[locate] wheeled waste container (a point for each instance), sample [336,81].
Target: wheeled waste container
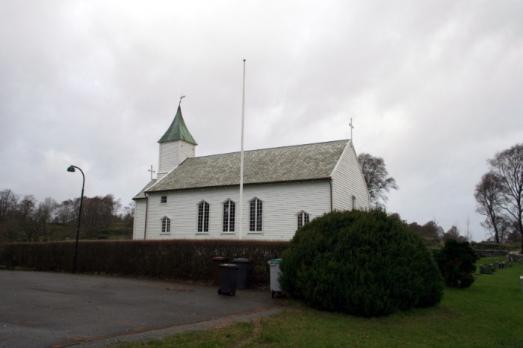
[244,270]
[217,261]
[275,274]
[228,279]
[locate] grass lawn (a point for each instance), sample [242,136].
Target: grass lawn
[488,314]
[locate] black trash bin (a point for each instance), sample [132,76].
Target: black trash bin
[217,261]
[244,270]
[228,279]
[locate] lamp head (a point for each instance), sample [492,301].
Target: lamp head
[71,169]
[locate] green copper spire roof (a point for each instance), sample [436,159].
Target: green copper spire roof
[178,130]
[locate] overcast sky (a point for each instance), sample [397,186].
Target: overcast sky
[433,87]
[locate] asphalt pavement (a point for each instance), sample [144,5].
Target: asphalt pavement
[40,309]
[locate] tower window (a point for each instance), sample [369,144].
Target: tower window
[163,199]
[203,216]
[166,225]
[229,211]
[255,214]
[303,218]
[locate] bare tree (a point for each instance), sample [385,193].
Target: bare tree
[508,166]
[128,214]
[65,212]
[26,207]
[376,177]
[511,233]
[8,203]
[431,232]
[43,216]
[28,220]
[453,234]
[488,194]
[505,228]
[98,214]
[24,218]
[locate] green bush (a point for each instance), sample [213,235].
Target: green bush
[457,263]
[363,263]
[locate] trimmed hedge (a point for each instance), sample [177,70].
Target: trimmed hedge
[362,263]
[173,259]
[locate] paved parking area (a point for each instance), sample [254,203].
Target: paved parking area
[39,309]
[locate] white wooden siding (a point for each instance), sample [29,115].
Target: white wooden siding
[348,181]
[281,204]
[139,219]
[172,154]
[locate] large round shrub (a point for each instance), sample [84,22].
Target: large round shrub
[457,263]
[363,263]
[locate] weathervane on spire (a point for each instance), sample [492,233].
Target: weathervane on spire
[181,97]
[351,128]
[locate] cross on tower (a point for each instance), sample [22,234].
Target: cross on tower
[351,128]
[152,171]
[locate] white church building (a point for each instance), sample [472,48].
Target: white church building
[197,197]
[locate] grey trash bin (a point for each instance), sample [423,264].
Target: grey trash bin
[275,274]
[228,279]
[244,270]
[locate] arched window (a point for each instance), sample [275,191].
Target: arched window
[353,202]
[203,216]
[166,225]
[255,214]
[229,211]
[303,218]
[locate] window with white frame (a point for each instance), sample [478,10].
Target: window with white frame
[166,225]
[163,199]
[229,211]
[255,214]
[303,218]
[203,216]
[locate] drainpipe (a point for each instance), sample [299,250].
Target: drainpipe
[146,211]
[330,184]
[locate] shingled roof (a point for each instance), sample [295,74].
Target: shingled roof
[279,164]
[177,130]
[141,194]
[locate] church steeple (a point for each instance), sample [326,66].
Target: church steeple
[178,130]
[176,145]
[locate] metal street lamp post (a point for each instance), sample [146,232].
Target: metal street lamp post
[72,170]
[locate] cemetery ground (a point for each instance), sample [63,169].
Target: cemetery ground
[488,314]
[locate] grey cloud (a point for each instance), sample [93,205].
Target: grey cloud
[433,87]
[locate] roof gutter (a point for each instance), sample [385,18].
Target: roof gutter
[246,184]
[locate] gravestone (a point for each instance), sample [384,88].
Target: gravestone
[485,269]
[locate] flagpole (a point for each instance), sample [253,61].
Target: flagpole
[240,229]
